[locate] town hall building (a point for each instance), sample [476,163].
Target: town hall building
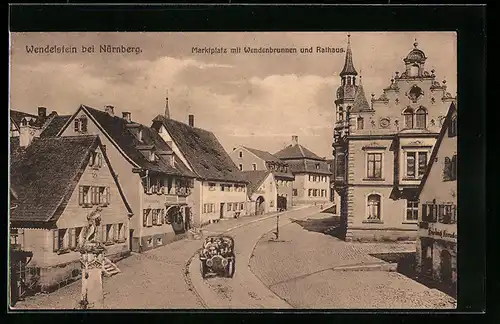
[382,148]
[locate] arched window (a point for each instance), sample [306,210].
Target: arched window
[373,207]
[421,118]
[408,113]
[348,80]
[360,123]
[414,70]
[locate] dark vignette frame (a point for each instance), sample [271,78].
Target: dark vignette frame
[468,21]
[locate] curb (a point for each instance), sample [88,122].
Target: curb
[389,267]
[186,272]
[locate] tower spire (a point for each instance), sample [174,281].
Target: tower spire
[348,65]
[167,110]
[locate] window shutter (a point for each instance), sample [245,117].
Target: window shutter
[154,216]
[424,212]
[100,159]
[80,195]
[144,218]
[446,169]
[72,237]
[92,195]
[108,195]
[55,240]
[77,125]
[116,233]
[453,171]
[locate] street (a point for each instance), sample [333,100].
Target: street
[302,269]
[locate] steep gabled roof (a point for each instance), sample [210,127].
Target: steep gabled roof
[360,103]
[55,125]
[266,156]
[47,173]
[435,150]
[119,131]
[309,166]
[296,151]
[255,179]
[202,150]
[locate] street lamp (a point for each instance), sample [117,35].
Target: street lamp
[277,233]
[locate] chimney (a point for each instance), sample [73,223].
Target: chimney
[42,112]
[26,133]
[127,116]
[295,140]
[191,120]
[110,110]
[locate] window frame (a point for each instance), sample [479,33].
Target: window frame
[368,208]
[415,209]
[368,153]
[418,173]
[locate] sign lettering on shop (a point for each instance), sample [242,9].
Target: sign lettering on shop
[442,233]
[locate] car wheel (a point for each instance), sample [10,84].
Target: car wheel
[231,269]
[203,269]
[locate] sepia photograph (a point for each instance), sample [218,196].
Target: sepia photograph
[233,170]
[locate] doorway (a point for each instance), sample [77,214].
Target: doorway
[446,271]
[259,206]
[427,256]
[221,210]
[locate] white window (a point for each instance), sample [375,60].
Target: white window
[416,164]
[411,211]
[374,165]
[373,207]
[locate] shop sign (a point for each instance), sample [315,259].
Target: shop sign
[441,232]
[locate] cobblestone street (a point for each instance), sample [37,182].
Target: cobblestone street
[304,269]
[151,280]
[300,270]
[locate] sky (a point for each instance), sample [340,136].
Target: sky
[256,100]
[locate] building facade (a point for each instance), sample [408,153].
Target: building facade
[382,150]
[437,234]
[154,179]
[59,182]
[250,159]
[262,192]
[311,173]
[219,190]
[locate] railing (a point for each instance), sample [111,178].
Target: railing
[183,191]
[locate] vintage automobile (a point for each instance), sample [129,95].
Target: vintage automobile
[217,256]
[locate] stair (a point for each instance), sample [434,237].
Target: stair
[110,269]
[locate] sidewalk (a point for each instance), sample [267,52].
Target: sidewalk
[300,268]
[150,280]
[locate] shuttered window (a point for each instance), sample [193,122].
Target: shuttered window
[55,240]
[72,238]
[116,232]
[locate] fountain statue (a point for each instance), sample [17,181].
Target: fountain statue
[92,261]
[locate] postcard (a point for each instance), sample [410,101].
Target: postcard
[233,170]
